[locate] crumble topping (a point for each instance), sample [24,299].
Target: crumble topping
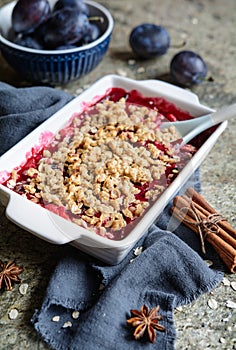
[107,167]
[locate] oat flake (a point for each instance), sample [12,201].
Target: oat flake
[209,262]
[86,86]
[179,308]
[56,318]
[75,314]
[222,340]
[194,21]
[138,251]
[233,285]
[13,314]
[23,288]
[230,304]
[131,62]
[141,70]
[212,303]
[226,282]
[122,72]
[79,91]
[101,287]
[67,324]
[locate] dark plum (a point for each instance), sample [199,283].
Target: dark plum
[65,27]
[75,4]
[188,68]
[92,33]
[28,15]
[149,40]
[28,40]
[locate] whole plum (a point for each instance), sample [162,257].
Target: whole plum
[28,15]
[75,4]
[149,40]
[188,68]
[64,27]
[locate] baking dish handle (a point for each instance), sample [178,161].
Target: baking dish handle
[41,222]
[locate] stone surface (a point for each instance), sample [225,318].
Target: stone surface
[207,27]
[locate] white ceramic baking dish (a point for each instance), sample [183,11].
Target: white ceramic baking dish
[57,230]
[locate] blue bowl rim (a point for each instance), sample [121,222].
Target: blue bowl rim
[93,44]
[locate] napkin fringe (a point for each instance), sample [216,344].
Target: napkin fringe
[205,288]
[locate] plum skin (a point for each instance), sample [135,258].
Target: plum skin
[65,26]
[149,40]
[188,68]
[28,15]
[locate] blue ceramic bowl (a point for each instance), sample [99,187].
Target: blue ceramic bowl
[55,67]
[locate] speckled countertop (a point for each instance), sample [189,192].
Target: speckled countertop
[207,27]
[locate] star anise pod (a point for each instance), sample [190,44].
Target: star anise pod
[146,321]
[9,273]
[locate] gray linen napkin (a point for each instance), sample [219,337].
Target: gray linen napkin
[169,272]
[23,109]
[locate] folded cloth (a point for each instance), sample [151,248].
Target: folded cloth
[167,273]
[87,302]
[23,109]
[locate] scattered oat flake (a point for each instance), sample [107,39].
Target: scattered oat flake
[121,72]
[222,340]
[179,308]
[75,314]
[230,304]
[138,251]
[233,285]
[67,324]
[141,70]
[194,21]
[56,318]
[131,62]
[101,286]
[209,262]
[212,303]
[184,35]
[13,314]
[226,282]
[23,288]
[79,91]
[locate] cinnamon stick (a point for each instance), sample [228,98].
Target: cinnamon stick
[200,200]
[188,221]
[196,213]
[184,201]
[225,251]
[211,237]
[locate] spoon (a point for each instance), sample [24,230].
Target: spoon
[188,129]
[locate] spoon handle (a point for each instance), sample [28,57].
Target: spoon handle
[223,114]
[215,118]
